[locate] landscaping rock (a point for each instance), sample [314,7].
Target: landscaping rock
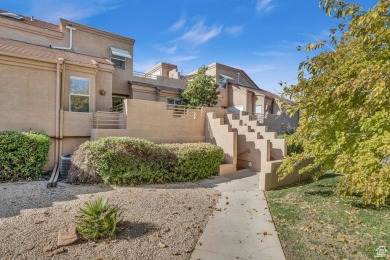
[67,236]
[49,248]
[57,251]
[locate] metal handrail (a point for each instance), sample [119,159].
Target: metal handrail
[183,111]
[108,120]
[117,108]
[144,75]
[257,116]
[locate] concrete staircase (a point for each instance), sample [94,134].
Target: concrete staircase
[256,148]
[221,134]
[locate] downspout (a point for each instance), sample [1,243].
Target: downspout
[62,104]
[57,115]
[55,173]
[71,29]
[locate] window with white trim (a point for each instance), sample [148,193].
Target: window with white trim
[79,94]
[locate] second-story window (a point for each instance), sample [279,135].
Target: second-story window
[118,57]
[119,62]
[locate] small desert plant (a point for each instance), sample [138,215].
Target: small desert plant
[99,220]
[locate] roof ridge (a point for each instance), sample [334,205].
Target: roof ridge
[19,47]
[33,22]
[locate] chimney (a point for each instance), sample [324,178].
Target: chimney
[238,78]
[32,18]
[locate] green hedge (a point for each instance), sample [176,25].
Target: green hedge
[22,155]
[123,160]
[196,160]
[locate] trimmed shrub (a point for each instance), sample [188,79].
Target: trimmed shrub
[196,160]
[122,160]
[22,155]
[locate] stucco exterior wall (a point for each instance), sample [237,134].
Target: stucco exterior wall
[15,30]
[103,82]
[152,121]
[237,97]
[86,40]
[77,124]
[27,91]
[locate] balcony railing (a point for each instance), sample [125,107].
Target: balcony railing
[257,116]
[144,75]
[183,111]
[109,120]
[117,108]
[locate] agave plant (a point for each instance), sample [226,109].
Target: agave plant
[99,220]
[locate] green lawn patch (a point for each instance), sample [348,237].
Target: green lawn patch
[314,223]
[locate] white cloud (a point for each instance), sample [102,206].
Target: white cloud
[165,49]
[178,25]
[265,6]
[51,11]
[172,49]
[234,30]
[179,59]
[201,33]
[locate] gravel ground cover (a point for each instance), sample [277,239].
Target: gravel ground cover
[160,221]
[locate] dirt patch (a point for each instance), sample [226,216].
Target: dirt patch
[170,215]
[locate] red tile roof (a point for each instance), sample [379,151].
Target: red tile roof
[30,50]
[34,22]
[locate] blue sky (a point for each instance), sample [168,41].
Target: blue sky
[258,36]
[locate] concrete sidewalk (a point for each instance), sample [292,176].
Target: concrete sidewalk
[241,227]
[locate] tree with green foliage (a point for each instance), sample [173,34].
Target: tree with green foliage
[201,91]
[343,95]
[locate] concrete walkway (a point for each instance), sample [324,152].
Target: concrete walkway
[243,227]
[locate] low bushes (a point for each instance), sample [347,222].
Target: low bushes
[196,160]
[22,155]
[122,160]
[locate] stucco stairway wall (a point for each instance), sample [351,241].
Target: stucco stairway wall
[152,121]
[221,134]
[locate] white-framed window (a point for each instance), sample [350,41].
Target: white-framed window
[78,94]
[174,101]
